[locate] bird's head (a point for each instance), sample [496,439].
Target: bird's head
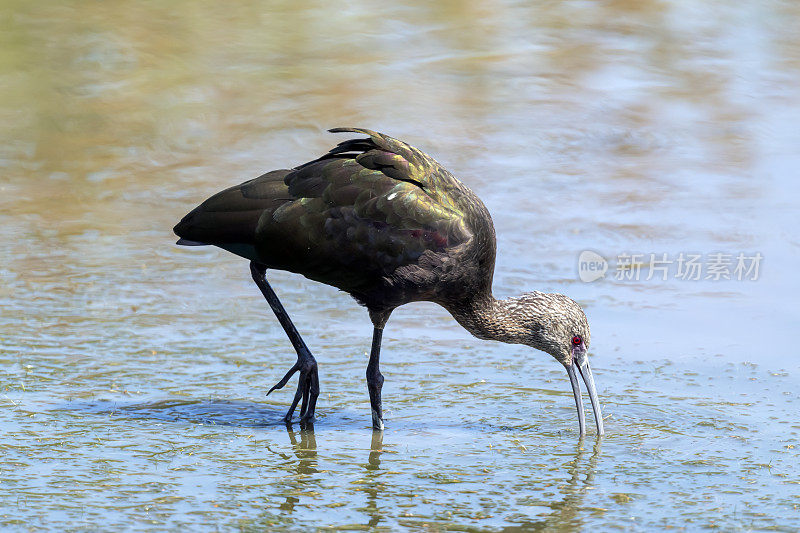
[557,325]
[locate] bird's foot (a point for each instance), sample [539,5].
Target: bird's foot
[307,388]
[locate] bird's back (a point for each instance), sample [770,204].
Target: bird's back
[374,217]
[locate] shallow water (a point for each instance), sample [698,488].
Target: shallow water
[134,371]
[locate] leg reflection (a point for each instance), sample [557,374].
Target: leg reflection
[374,487]
[376,449]
[305,450]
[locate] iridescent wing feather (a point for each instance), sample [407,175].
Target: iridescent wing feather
[366,208]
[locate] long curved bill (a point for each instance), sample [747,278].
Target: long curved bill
[581,365]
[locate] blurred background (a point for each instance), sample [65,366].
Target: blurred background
[134,370]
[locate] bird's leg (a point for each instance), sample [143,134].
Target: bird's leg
[375,379]
[308,386]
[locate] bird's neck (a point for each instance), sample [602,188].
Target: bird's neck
[486,317]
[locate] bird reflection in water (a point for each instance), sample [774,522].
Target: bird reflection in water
[374,486]
[565,514]
[305,450]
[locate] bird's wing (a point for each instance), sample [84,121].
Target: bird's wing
[368,206]
[364,209]
[395,159]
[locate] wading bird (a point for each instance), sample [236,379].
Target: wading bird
[387,224]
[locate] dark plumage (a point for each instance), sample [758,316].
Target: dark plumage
[389,225]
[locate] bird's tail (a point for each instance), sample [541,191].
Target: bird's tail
[229,218]
[187,242]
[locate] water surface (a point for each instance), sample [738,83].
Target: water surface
[134,371]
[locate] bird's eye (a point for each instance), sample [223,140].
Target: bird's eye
[576,340]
